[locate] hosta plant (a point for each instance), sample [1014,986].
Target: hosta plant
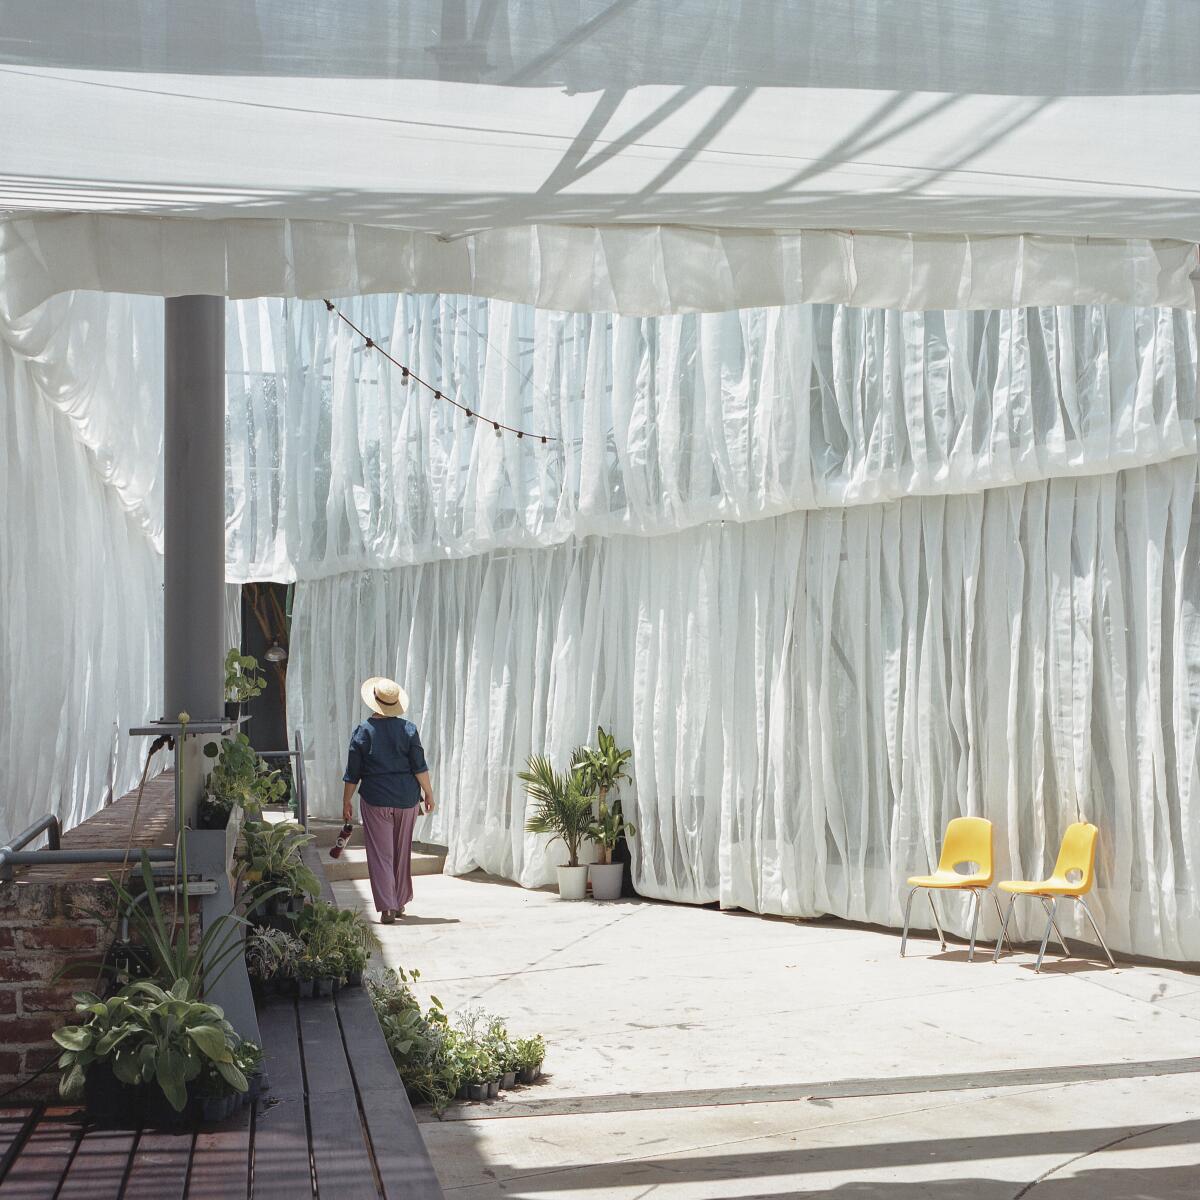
[148,1036]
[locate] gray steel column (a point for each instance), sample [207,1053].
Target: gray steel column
[194,516]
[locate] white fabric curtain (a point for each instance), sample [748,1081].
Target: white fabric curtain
[80,553]
[664,423]
[810,698]
[80,575]
[888,568]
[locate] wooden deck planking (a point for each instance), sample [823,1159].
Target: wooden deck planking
[97,1172]
[281,1168]
[160,1167]
[325,1065]
[341,1157]
[14,1124]
[405,1169]
[281,1049]
[43,1161]
[221,1161]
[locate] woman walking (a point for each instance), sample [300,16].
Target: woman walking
[386,764]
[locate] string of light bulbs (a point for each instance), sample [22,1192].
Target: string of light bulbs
[407,374]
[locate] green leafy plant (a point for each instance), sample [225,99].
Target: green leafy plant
[430,1056]
[608,829]
[601,768]
[270,855]
[240,778]
[244,678]
[148,1035]
[272,953]
[530,1052]
[562,805]
[166,950]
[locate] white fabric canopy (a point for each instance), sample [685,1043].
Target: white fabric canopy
[663,424]
[505,139]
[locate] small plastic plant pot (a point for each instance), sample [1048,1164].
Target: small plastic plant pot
[304,988]
[508,1081]
[477,1091]
[493,1089]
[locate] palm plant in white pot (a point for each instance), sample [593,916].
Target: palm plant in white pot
[600,769]
[562,809]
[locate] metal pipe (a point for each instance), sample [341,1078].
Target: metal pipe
[49,825]
[24,858]
[199,888]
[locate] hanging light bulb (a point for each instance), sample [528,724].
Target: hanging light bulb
[496,427]
[275,652]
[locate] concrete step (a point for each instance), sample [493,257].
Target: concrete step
[353,864]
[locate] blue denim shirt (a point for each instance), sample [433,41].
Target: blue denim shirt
[385,758]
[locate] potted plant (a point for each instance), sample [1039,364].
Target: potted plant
[270,856]
[244,680]
[601,769]
[154,1041]
[504,1050]
[329,972]
[240,778]
[531,1053]
[355,960]
[563,809]
[307,970]
[270,956]
[249,1060]
[607,876]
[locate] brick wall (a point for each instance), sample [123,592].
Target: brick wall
[44,927]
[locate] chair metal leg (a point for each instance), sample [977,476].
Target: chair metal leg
[1003,927]
[907,910]
[1062,941]
[936,922]
[996,902]
[1045,938]
[1111,961]
[978,904]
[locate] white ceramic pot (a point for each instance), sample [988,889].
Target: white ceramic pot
[572,882]
[606,880]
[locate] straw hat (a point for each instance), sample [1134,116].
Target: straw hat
[384,696]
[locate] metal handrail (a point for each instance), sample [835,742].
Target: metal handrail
[15,855]
[300,778]
[49,825]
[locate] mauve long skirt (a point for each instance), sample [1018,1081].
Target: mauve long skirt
[389,834]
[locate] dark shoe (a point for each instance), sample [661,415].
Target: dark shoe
[389,917]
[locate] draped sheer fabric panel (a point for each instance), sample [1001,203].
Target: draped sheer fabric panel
[80,553]
[666,423]
[645,269]
[80,576]
[810,697]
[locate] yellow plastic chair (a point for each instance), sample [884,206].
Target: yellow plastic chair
[968,842]
[1073,875]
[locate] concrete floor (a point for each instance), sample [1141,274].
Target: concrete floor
[698,1054]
